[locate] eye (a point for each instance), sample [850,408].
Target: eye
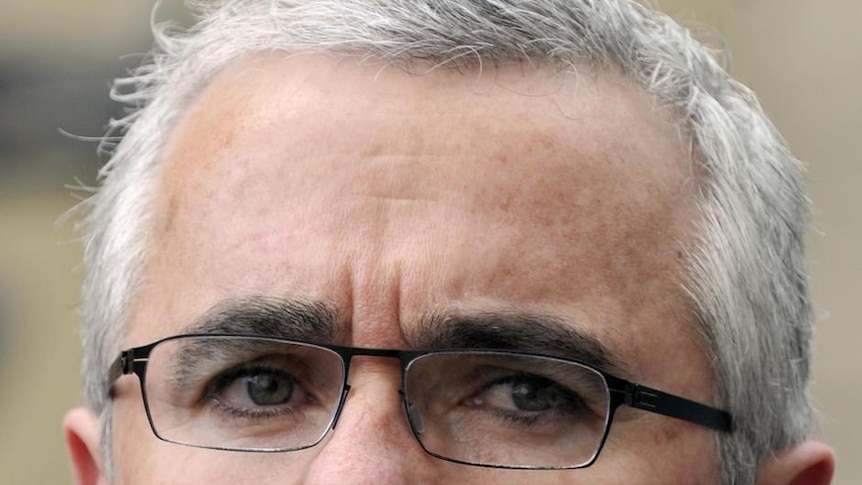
[262,387]
[535,393]
[257,389]
[526,396]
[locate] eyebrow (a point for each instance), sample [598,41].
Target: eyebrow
[269,317]
[513,330]
[256,316]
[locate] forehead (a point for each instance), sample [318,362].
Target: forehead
[390,194]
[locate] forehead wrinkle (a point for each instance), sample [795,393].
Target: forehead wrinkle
[418,138]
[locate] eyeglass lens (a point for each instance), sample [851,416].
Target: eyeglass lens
[487,408]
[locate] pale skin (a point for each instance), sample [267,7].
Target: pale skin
[389,196]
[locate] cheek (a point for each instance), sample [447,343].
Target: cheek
[175,464]
[134,444]
[141,458]
[680,454]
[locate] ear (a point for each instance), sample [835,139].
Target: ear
[808,463]
[82,432]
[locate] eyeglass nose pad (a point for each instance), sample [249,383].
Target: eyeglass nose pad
[415,418]
[340,405]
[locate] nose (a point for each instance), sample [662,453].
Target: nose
[372,441]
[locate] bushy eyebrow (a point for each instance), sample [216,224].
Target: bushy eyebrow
[514,330]
[269,317]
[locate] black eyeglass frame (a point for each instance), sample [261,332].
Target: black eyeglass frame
[622,391]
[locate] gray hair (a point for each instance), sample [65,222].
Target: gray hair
[746,281]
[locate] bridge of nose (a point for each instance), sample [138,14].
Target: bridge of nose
[372,437]
[374,381]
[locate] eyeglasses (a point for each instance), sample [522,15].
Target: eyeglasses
[493,408]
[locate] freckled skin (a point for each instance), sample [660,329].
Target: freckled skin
[388,196]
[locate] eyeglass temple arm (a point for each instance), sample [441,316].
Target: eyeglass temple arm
[655,401]
[126,363]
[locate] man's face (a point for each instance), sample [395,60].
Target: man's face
[392,198]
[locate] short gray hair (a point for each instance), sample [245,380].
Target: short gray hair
[747,280]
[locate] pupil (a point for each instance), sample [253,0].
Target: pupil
[536,395]
[269,390]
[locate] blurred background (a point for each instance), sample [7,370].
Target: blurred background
[57,59]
